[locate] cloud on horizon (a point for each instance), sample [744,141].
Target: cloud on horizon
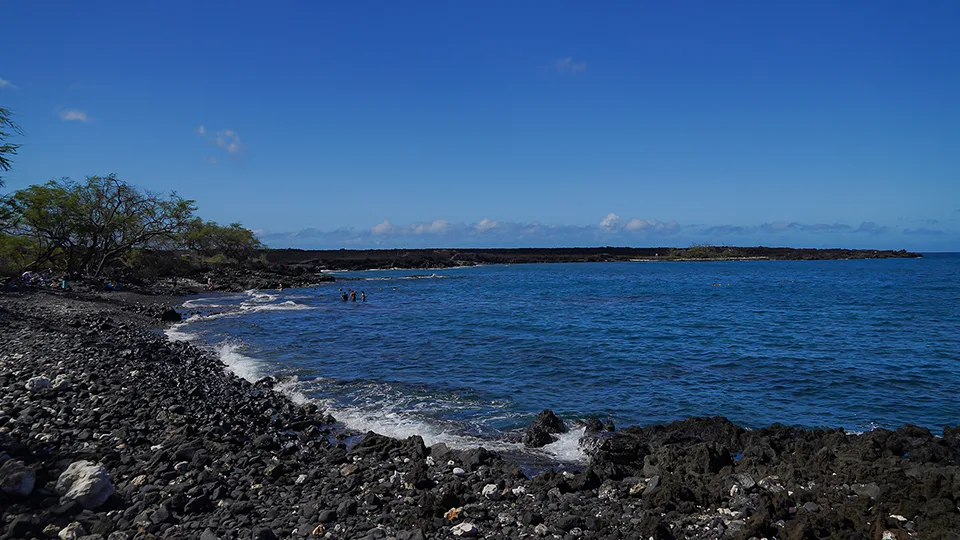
[74,115]
[611,230]
[867,227]
[7,84]
[923,231]
[613,224]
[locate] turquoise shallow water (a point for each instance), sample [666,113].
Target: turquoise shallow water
[476,352]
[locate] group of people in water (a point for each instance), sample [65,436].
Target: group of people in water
[351,295]
[348,295]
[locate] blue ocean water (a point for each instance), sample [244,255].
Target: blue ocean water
[471,354]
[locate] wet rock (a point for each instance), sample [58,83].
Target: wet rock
[16,479]
[85,483]
[594,426]
[171,315]
[541,431]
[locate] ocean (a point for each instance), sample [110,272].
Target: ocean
[468,356]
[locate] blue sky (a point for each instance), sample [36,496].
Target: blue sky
[456,124]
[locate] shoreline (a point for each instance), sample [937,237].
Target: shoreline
[193,451]
[306,268]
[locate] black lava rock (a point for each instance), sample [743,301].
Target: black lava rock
[540,432]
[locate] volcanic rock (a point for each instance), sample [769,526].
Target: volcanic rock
[16,479]
[540,432]
[38,383]
[86,483]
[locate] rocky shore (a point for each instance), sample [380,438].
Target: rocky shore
[307,268]
[110,431]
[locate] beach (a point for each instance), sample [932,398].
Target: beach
[175,446]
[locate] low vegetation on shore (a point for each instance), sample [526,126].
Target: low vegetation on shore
[104,225]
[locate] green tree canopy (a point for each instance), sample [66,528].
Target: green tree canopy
[208,238]
[87,225]
[8,128]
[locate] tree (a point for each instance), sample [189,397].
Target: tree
[209,238]
[8,128]
[86,226]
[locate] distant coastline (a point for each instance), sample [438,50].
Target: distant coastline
[421,259]
[166,271]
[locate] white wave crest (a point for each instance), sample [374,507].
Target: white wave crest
[282,306]
[401,426]
[174,334]
[291,388]
[259,296]
[237,363]
[567,448]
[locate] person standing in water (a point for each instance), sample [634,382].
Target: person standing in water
[363,296]
[353,295]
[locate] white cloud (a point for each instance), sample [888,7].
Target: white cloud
[569,65]
[636,224]
[610,231]
[229,140]
[641,225]
[438,226]
[226,139]
[7,84]
[611,222]
[211,159]
[73,114]
[485,225]
[381,228]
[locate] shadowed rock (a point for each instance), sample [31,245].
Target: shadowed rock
[540,432]
[16,479]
